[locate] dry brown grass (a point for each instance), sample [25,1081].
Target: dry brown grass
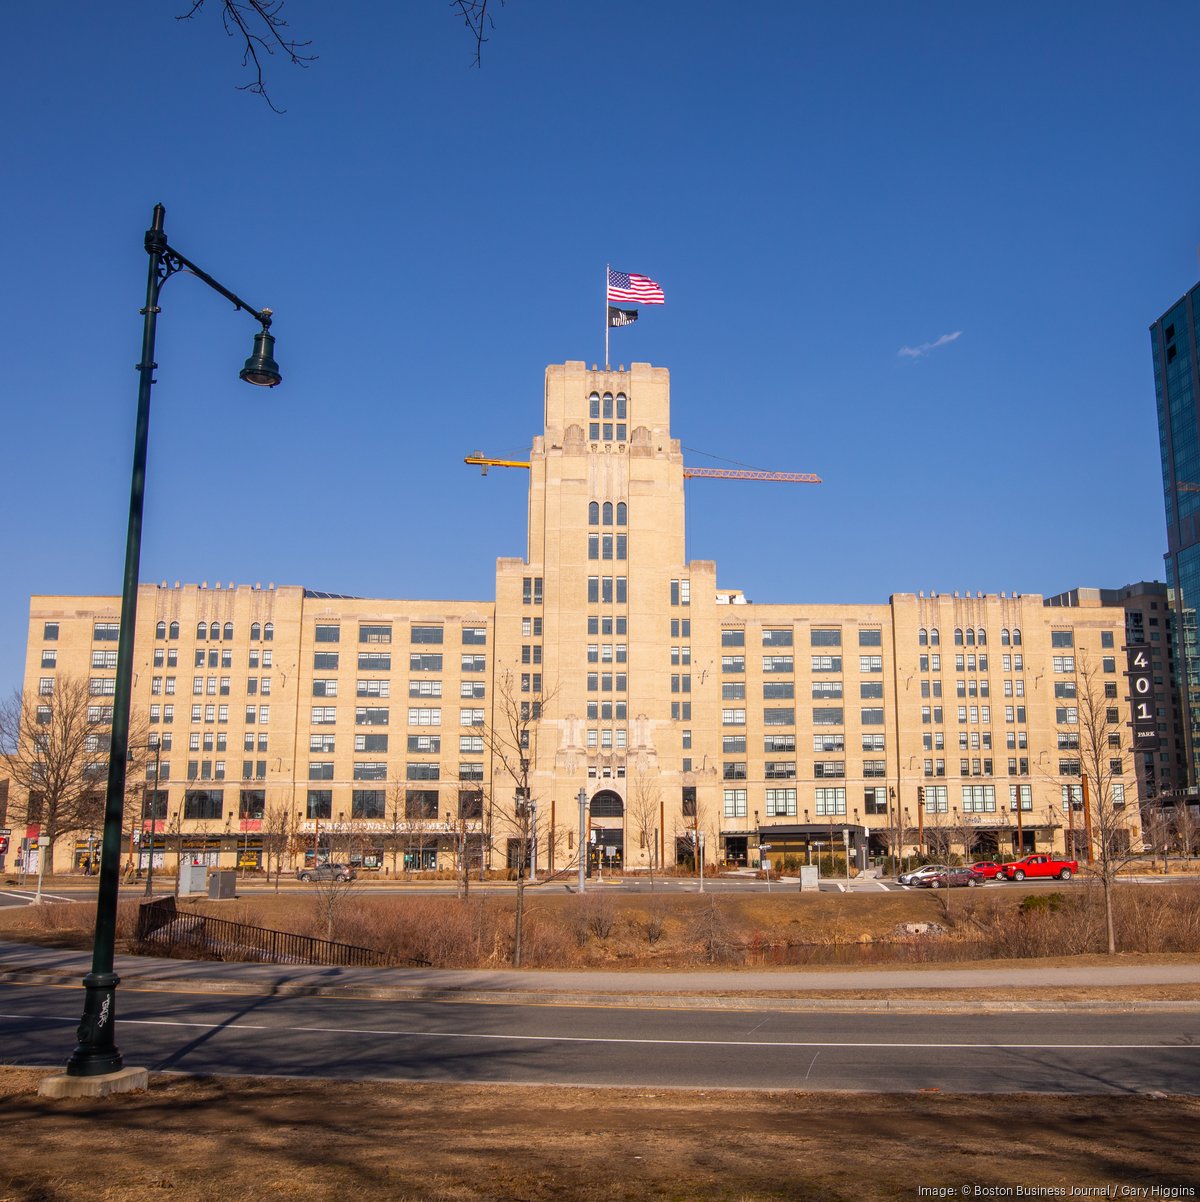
[637,931]
[220,1140]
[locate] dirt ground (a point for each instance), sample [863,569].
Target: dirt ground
[217,1140]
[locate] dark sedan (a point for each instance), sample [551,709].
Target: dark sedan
[950,877]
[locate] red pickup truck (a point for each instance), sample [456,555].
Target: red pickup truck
[1039,865]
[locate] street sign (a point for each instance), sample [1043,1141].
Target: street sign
[764,847]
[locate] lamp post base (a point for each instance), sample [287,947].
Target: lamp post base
[96,1054]
[63,1085]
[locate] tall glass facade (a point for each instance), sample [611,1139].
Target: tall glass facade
[1175,340]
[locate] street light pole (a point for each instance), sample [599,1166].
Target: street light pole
[582,798]
[96,1052]
[533,851]
[153,808]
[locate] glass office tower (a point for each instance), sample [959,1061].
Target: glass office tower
[1175,340]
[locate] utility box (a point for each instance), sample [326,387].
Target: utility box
[810,876]
[192,879]
[222,885]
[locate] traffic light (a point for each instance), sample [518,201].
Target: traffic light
[920,795]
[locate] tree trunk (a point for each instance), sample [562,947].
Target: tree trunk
[1108,917]
[519,931]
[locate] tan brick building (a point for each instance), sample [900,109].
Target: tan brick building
[366,725]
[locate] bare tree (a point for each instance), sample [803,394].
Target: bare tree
[478,20]
[1186,821]
[331,897]
[511,742]
[1102,762]
[1158,832]
[57,745]
[643,811]
[464,819]
[276,838]
[259,28]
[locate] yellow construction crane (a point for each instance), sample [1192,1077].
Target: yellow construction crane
[483,462]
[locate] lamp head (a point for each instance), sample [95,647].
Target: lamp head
[261,367]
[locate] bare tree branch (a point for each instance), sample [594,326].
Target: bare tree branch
[58,744]
[478,20]
[262,29]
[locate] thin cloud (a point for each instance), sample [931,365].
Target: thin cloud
[916,352]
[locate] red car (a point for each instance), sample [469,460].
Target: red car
[988,869]
[1039,865]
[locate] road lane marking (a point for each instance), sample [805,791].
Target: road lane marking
[599,1039]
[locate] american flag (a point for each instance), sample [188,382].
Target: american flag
[634,289]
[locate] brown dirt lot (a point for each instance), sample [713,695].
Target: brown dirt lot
[216,1140]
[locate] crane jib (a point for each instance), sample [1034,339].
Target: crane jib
[483,462]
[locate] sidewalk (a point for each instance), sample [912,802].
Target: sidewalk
[786,989]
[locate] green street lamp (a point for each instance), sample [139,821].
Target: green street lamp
[96,1052]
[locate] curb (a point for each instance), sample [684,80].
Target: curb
[664,1001]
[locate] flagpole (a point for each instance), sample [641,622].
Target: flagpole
[606,271]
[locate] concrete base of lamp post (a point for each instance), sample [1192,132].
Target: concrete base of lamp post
[127,1080]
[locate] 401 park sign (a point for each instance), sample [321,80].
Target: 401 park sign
[1141,694]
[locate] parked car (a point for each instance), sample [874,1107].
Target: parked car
[913,877]
[949,878]
[1039,865]
[328,872]
[988,869]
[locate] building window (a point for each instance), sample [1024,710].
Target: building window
[830,801]
[204,804]
[826,638]
[327,633]
[828,716]
[735,803]
[426,634]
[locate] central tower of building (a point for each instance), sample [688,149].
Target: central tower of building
[598,619]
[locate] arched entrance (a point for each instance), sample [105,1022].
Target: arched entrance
[607,847]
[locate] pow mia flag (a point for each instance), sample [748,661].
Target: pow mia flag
[621,317]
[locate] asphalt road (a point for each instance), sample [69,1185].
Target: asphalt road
[1097,1052]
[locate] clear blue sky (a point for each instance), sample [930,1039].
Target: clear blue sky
[816,188]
